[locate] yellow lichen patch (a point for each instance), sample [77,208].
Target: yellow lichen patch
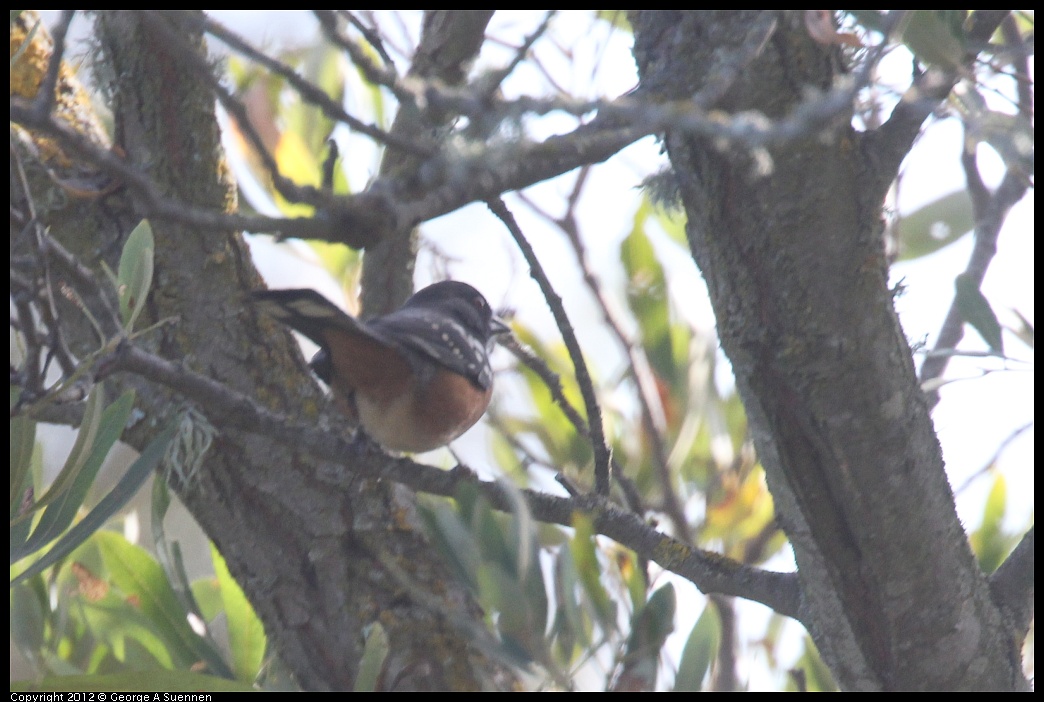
[33,46]
[28,71]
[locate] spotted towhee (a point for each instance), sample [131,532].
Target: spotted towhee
[415,379]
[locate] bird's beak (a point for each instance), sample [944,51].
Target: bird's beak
[498,327]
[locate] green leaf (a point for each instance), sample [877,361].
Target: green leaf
[589,570]
[138,575]
[23,446]
[490,532]
[818,677]
[23,439]
[989,542]
[134,277]
[109,505]
[206,592]
[168,553]
[28,617]
[454,542]
[570,627]
[634,578]
[650,627]
[324,66]
[60,514]
[518,540]
[246,635]
[976,311]
[936,37]
[647,296]
[372,662]
[996,504]
[502,593]
[122,632]
[653,623]
[673,222]
[935,225]
[78,456]
[700,650]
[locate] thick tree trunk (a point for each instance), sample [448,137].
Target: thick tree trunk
[320,562]
[789,240]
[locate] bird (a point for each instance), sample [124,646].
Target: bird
[414,379]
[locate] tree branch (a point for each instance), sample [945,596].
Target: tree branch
[710,572]
[887,146]
[991,211]
[602,465]
[638,366]
[450,41]
[1012,585]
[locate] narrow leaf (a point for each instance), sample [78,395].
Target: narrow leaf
[976,311]
[589,571]
[139,576]
[134,277]
[699,651]
[81,451]
[374,652]
[112,503]
[60,514]
[246,635]
[935,225]
[23,438]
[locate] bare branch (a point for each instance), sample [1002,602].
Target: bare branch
[353,223]
[708,571]
[991,210]
[46,96]
[309,92]
[370,35]
[374,73]
[1012,584]
[888,145]
[603,467]
[638,366]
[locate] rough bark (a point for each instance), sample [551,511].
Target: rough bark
[318,563]
[794,262]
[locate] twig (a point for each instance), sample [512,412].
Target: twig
[371,36]
[993,459]
[375,74]
[638,364]
[48,310]
[990,209]
[45,95]
[603,468]
[192,59]
[888,145]
[710,572]
[491,81]
[312,93]
[349,224]
[550,379]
